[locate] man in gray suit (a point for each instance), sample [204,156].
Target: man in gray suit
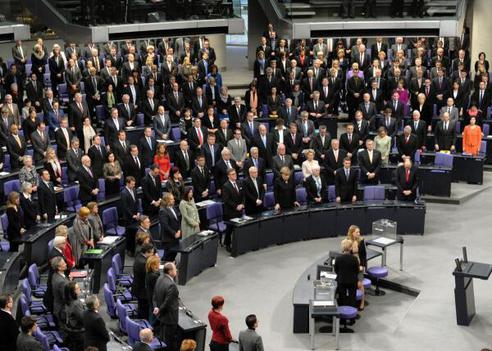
[281,160]
[451,109]
[58,282]
[162,124]
[40,142]
[398,45]
[237,146]
[25,340]
[166,306]
[74,159]
[249,340]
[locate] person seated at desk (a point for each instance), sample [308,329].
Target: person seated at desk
[254,192]
[346,182]
[62,231]
[74,310]
[190,220]
[29,206]
[472,137]
[359,251]
[82,237]
[284,190]
[445,134]
[138,286]
[407,143]
[16,229]
[369,163]
[406,181]
[8,324]
[315,187]
[25,340]
[170,226]
[347,270]
[382,143]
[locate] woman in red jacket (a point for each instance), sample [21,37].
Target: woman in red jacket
[221,335]
[62,230]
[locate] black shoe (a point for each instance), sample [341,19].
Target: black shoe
[228,248]
[346,330]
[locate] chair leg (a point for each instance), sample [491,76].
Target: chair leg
[344,328]
[379,292]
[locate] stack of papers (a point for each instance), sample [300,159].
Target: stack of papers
[205,203]
[205,232]
[108,240]
[383,241]
[78,274]
[4,174]
[165,141]
[323,303]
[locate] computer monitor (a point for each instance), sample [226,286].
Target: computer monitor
[325,272]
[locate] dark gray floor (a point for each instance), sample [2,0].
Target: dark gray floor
[262,282]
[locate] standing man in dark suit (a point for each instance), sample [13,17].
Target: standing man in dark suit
[57,68]
[183,159]
[419,128]
[396,107]
[58,282]
[377,47]
[250,129]
[355,89]
[200,179]
[222,167]
[8,325]
[389,123]
[406,181]
[151,191]
[16,147]
[315,187]
[77,111]
[34,91]
[321,143]
[407,143]
[176,104]
[74,159]
[147,146]
[349,141]
[293,143]
[97,154]
[138,286]
[361,127]
[63,136]
[29,206]
[223,134]
[346,183]
[281,160]
[254,190]
[249,340]
[112,126]
[445,134]
[87,181]
[237,112]
[40,142]
[121,148]
[263,141]
[96,334]
[162,124]
[333,160]
[369,163]
[134,166]
[166,306]
[46,197]
[233,199]
[211,151]
[127,111]
[149,108]
[255,161]
[197,135]
[170,226]
[128,210]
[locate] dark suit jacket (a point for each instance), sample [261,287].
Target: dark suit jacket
[350,147]
[131,168]
[46,200]
[148,111]
[128,207]
[205,150]
[261,165]
[140,346]
[166,298]
[312,190]
[175,105]
[277,164]
[87,184]
[347,269]
[264,150]
[220,172]
[391,127]
[10,330]
[111,131]
[251,195]
[146,153]
[193,139]
[27,342]
[293,145]
[95,331]
[363,132]
[398,113]
[180,162]
[123,112]
[138,286]
[407,148]
[331,165]
[234,117]
[39,145]
[367,166]
[445,138]
[15,152]
[151,191]
[74,162]
[231,199]
[420,132]
[98,158]
[61,143]
[345,188]
[200,182]
[223,138]
[169,225]
[402,184]
[30,211]
[120,152]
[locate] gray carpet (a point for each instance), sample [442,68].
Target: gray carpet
[262,282]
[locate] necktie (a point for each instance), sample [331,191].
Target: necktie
[318,185]
[18,141]
[187,159]
[251,127]
[481,97]
[416,124]
[407,175]
[370,156]
[255,162]
[200,136]
[282,158]
[325,90]
[350,138]
[150,142]
[449,109]
[445,126]
[235,187]
[316,105]
[90,172]
[347,173]
[228,163]
[41,134]
[137,161]
[94,83]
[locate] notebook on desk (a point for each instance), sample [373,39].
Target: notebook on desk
[94,251]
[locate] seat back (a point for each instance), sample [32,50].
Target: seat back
[110,217]
[26,289]
[269,180]
[11,185]
[108,297]
[214,212]
[121,313]
[43,339]
[374,192]
[33,275]
[486,129]
[331,193]
[116,264]
[298,177]
[176,134]
[269,199]
[24,305]
[111,280]
[5,224]
[301,195]
[443,160]
[133,330]
[368,193]
[483,147]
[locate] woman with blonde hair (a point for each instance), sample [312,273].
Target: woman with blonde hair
[347,268]
[82,237]
[309,163]
[151,276]
[358,249]
[188,345]
[52,164]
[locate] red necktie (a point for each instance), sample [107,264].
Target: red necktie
[200,136]
[407,176]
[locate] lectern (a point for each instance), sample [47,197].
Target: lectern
[463,291]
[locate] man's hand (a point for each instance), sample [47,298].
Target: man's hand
[156,311]
[277,207]
[338,199]
[436,147]
[258,202]
[240,207]
[354,198]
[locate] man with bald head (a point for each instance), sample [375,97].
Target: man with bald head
[445,134]
[281,160]
[146,335]
[87,181]
[407,143]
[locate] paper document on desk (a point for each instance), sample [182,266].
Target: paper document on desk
[204,203]
[323,303]
[4,174]
[205,232]
[383,241]
[108,240]
[165,141]
[241,219]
